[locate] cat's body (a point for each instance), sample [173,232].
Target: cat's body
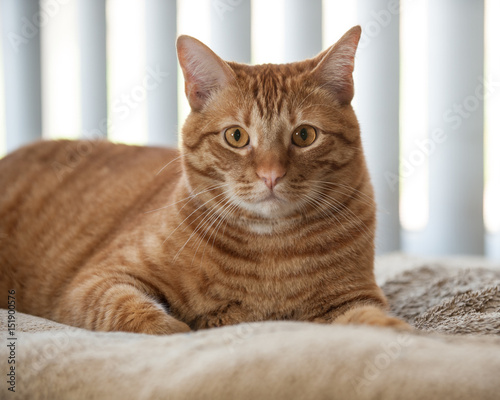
[246,225]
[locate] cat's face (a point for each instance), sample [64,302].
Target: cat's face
[270,139]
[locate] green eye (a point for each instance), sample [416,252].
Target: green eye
[304,136]
[236,137]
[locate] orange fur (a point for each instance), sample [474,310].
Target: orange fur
[114,237]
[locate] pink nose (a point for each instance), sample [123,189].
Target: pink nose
[270,176]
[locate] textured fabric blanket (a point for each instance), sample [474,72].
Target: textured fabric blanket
[454,351]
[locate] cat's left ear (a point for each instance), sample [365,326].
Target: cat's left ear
[336,64]
[204,71]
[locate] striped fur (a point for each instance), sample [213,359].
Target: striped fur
[114,237]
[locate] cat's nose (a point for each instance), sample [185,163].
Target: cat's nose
[270,176]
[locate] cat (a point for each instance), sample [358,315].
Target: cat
[265,213]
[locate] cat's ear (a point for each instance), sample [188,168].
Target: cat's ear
[336,64]
[204,71]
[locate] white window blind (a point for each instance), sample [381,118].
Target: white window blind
[427,82]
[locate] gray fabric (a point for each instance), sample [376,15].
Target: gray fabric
[435,298]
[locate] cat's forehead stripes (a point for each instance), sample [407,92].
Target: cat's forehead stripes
[273,88]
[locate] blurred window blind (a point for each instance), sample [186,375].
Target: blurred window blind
[427,99]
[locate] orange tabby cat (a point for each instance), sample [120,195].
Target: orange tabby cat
[266,213]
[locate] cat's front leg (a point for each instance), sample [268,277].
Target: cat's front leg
[108,304]
[356,312]
[371,315]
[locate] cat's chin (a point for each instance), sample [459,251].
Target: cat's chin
[270,207]
[269,216]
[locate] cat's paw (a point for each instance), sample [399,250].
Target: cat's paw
[371,315]
[166,326]
[153,320]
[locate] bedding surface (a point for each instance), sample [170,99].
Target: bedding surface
[454,352]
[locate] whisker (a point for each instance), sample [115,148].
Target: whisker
[200,225]
[208,224]
[345,210]
[224,217]
[236,206]
[211,207]
[366,199]
[204,191]
[190,197]
[206,214]
[170,162]
[184,220]
[317,205]
[334,214]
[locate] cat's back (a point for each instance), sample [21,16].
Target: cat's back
[61,201]
[64,156]
[78,172]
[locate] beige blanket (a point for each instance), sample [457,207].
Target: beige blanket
[284,360]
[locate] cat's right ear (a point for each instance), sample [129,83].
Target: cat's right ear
[336,65]
[204,71]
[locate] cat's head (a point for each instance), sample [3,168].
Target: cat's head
[272,139]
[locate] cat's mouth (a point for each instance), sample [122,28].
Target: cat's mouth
[269,205]
[270,197]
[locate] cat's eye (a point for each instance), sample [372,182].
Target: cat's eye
[236,137]
[304,136]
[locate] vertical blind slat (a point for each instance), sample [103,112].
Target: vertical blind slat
[92,39]
[492,131]
[492,246]
[377,107]
[230,29]
[456,93]
[303,29]
[21,48]
[161,32]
